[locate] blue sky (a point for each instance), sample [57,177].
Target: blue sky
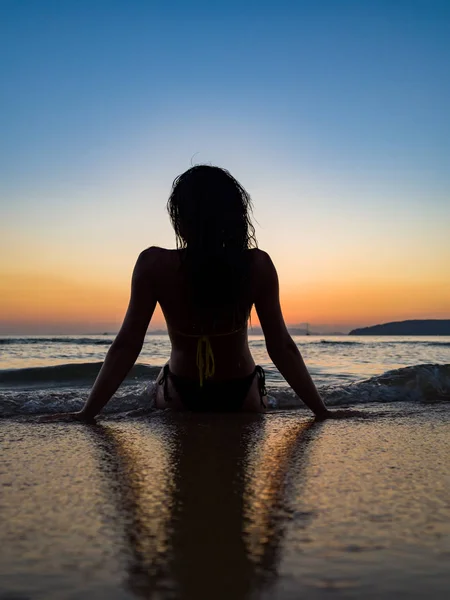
[358,85]
[333,114]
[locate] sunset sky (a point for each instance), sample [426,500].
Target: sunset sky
[333,114]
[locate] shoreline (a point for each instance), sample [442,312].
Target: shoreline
[174,504]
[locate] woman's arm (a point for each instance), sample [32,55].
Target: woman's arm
[280,346]
[127,346]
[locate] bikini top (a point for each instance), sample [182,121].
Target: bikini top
[205,356]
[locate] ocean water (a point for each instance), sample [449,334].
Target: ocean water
[53,373]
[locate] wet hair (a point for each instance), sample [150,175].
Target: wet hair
[210,212]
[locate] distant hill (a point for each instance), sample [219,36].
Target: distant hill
[414,327]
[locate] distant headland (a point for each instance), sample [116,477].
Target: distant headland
[413,327]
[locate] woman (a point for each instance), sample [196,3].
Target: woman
[206,289]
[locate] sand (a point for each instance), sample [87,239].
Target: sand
[232,506]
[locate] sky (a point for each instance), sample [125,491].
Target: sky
[333,115]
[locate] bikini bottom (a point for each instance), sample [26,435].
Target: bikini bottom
[213,396]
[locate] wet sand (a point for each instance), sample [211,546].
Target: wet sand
[232,506]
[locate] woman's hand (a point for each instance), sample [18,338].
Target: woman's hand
[67,417]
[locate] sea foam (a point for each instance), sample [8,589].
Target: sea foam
[65,387]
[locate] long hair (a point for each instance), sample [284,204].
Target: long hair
[210,212]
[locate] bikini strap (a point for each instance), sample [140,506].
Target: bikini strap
[205,356]
[261,383]
[163,381]
[205,359]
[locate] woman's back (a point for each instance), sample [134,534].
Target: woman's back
[226,334]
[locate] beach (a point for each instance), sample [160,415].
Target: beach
[228,506]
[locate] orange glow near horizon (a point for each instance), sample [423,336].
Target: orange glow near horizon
[49,301]
[30,302]
[366,302]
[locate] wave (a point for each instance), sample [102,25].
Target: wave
[378,341]
[67,374]
[416,343]
[425,384]
[39,402]
[87,341]
[107,341]
[338,343]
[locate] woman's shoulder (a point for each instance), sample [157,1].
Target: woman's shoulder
[156,257]
[260,258]
[157,253]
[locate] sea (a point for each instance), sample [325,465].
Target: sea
[46,374]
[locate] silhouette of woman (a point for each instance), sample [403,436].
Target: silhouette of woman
[206,289]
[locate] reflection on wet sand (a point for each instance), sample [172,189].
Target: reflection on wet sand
[276,464]
[138,471]
[203,500]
